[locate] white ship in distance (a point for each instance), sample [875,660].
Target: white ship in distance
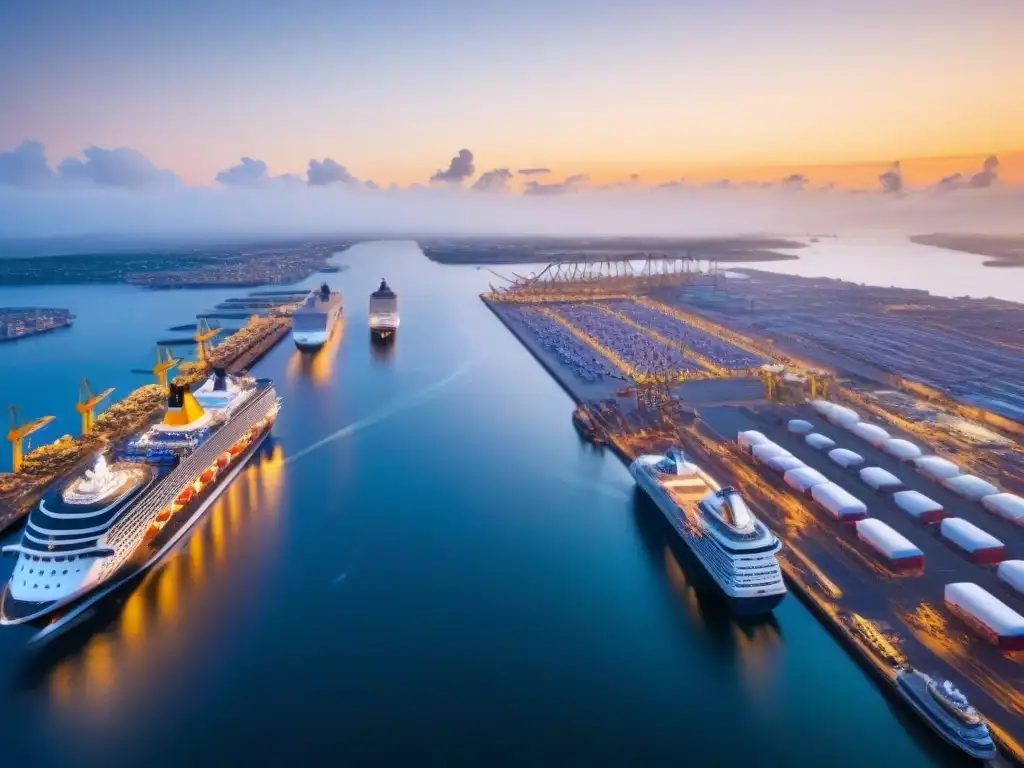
[313,322]
[384,318]
[735,548]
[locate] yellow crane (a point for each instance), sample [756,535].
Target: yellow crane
[87,403]
[19,431]
[204,334]
[165,361]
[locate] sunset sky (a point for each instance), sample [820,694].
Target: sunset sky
[392,89]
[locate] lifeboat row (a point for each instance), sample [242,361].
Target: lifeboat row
[208,475]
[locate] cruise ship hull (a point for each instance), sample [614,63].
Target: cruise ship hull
[53,618]
[311,341]
[742,601]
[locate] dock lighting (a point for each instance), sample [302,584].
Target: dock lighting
[87,402]
[19,431]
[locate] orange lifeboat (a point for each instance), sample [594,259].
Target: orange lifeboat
[164,516]
[237,448]
[185,496]
[224,459]
[207,475]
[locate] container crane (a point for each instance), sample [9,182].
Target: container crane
[204,334]
[87,403]
[164,363]
[21,429]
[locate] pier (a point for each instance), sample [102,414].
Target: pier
[650,370]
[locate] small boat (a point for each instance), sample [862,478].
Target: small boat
[948,712]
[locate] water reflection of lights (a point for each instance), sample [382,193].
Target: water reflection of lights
[318,367]
[172,608]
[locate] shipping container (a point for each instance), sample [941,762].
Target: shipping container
[880,479]
[1006,505]
[799,426]
[936,467]
[904,450]
[767,451]
[919,506]
[747,440]
[970,487]
[804,478]
[819,441]
[870,433]
[893,547]
[977,545]
[986,614]
[1012,572]
[785,463]
[839,503]
[845,457]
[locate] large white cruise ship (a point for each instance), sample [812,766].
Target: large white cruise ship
[384,318]
[313,322]
[97,530]
[735,548]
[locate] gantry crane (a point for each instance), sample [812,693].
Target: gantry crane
[204,334]
[87,403]
[19,431]
[164,363]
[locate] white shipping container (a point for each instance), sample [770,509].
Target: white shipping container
[1012,572]
[1006,505]
[804,478]
[750,438]
[839,502]
[823,407]
[799,426]
[880,479]
[870,433]
[886,540]
[970,487]
[845,457]
[936,467]
[842,416]
[784,463]
[767,451]
[966,535]
[819,441]
[987,613]
[917,505]
[904,450]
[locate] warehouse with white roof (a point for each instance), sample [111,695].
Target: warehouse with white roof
[970,487]
[919,506]
[936,467]
[986,614]
[978,546]
[839,503]
[1007,505]
[895,549]
[904,450]
[880,479]
[804,478]
[819,441]
[1011,572]
[846,458]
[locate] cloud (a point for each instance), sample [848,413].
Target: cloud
[892,179]
[533,171]
[571,184]
[493,181]
[25,166]
[796,181]
[460,168]
[247,173]
[320,174]
[121,167]
[371,184]
[987,176]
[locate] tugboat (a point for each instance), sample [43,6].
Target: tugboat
[947,711]
[384,318]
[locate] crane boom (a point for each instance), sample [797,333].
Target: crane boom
[19,431]
[87,402]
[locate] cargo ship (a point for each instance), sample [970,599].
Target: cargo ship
[97,530]
[735,548]
[313,322]
[948,712]
[383,312]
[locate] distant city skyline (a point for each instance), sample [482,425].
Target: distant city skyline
[391,91]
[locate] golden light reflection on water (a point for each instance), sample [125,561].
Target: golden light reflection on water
[169,611]
[317,367]
[677,578]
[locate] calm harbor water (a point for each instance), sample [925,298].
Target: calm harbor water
[426,565]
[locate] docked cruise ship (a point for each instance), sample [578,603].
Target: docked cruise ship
[383,312]
[947,711]
[313,322]
[99,529]
[735,548]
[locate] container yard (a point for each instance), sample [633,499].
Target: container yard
[902,533]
